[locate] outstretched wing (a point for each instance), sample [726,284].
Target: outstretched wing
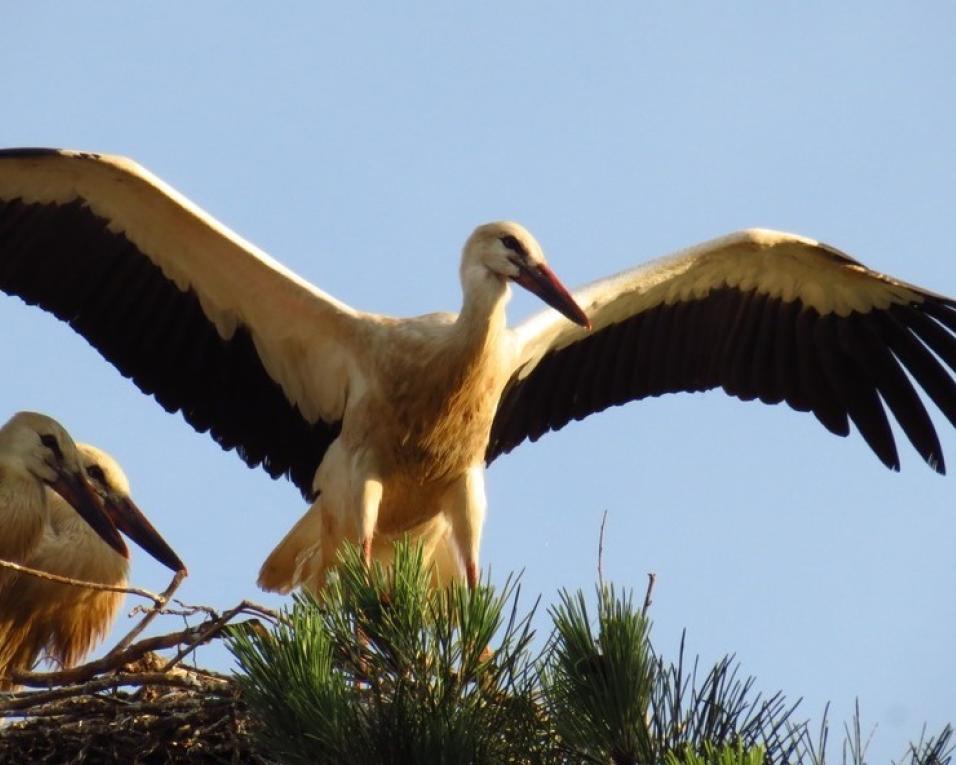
[197,317]
[762,314]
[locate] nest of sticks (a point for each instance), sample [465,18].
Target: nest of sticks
[135,705]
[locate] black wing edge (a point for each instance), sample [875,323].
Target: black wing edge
[26,152]
[64,259]
[843,369]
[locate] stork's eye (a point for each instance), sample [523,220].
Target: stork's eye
[50,443]
[512,243]
[96,473]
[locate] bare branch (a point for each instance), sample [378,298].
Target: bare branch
[158,604]
[158,599]
[112,661]
[251,607]
[600,560]
[209,629]
[20,701]
[651,578]
[186,610]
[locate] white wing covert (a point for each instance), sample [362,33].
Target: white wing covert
[195,315]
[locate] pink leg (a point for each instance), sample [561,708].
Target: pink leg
[465,510]
[367,551]
[471,574]
[369,498]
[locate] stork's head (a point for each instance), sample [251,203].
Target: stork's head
[39,447]
[111,484]
[509,251]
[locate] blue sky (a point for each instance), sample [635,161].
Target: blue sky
[360,143]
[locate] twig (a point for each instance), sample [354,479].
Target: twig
[83,707]
[80,583]
[105,664]
[247,606]
[158,604]
[189,609]
[109,662]
[651,578]
[213,626]
[600,560]
[117,658]
[19,701]
[251,607]
[212,674]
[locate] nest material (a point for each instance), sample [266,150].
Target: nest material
[205,723]
[133,706]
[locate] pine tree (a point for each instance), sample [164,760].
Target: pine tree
[384,669]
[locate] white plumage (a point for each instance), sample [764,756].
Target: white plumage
[41,529]
[388,423]
[36,455]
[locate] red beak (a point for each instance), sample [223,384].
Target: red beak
[81,497]
[543,282]
[129,519]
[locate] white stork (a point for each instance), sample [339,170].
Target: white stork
[39,616]
[388,423]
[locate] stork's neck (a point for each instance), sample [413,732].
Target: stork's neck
[24,507]
[482,318]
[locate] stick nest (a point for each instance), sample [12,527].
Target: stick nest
[203,720]
[134,705]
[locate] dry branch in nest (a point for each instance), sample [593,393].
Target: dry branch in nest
[194,722]
[134,705]
[131,707]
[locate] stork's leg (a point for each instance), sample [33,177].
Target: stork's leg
[465,509]
[365,496]
[369,498]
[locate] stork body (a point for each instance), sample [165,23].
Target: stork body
[41,617]
[401,458]
[414,433]
[386,424]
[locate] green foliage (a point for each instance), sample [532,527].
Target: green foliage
[598,686]
[727,754]
[721,709]
[611,700]
[384,669]
[932,750]
[935,750]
